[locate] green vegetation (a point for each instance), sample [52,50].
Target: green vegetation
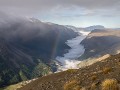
[40,70]
[1,88]
[22,76]
[14,79]
[13,76]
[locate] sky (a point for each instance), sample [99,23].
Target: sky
[79,13]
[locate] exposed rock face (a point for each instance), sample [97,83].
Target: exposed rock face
[100,42]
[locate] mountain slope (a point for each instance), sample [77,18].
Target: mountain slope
[100,42]
[90,28]
[88,76]
[28,48]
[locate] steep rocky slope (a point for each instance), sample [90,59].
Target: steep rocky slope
[28,48]
[89,78]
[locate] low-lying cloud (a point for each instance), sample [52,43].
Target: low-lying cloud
[68,61]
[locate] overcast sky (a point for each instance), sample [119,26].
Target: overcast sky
[80,13]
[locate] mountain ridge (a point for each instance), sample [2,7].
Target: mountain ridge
[29,48]
[87,76]
[101,42]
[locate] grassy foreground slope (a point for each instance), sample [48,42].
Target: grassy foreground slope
[88,78]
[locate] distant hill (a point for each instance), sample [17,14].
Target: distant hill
[90,28]
[87,78]
[100,42]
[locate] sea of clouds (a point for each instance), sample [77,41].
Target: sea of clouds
[68,61]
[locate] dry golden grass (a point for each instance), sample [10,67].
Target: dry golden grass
[118,63]
[93,86]
[72,70]
[110,84]
[106,70]
[72,85]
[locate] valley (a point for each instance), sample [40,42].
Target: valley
[29,49]
[91,67]
[31,57]
[59,44]
[68,60]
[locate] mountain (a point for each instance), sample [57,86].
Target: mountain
[28,48]
[90,28]
[101,42]
[91,77]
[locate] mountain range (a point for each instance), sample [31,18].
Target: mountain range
[28,48]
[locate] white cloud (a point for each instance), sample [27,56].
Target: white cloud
[65,11]
[37,6]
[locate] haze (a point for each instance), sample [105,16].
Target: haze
[80,13]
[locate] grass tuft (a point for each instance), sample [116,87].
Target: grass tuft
[72,85]
[110,84]
[106,70]
[93,78]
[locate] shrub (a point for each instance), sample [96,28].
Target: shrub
[72,85]
[110,84]
[94,77]
[106,70]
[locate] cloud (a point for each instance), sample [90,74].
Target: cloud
[38,6]
[72,12]
[76,51]
[47,3]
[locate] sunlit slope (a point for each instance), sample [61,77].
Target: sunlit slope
[94,74]
[100,42]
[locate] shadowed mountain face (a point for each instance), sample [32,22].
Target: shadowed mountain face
[37,37]
[100,42]
[28,46]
